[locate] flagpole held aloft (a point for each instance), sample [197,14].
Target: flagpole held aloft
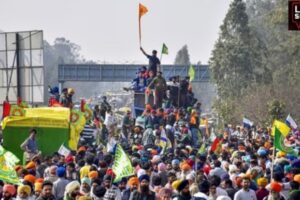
[142,11]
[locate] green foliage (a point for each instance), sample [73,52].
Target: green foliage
[62,51]
[255,63]
[276,110]
[182,57]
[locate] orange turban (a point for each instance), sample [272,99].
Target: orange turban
[30,178]
[82,148]
[93,174]
[30,165]
[18,167]
[185,167]
[276,187]
[39,180]
[133,181]
[267,145]
[297,178]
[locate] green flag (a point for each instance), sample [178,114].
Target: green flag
[279,143]
[164,49]
[191,73]
[122,166]
[7,167]
[202,149]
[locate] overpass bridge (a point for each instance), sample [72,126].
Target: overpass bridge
[122,73]
[92,80]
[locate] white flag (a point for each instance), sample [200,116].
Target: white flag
[64,151]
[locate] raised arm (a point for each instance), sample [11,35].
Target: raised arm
[143,51]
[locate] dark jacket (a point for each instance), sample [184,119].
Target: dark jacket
[126,194]
[139,196]
[41,197]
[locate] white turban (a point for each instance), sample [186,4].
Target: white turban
[72,186]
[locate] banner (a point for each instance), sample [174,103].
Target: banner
[63,150]
[122,166]
[7,164]
[76,127]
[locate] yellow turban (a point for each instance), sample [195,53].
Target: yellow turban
[38,187]
[24,188]
[175,184]
[262,182]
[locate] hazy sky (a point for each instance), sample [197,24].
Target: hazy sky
[107,30]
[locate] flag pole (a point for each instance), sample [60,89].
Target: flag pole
[273,156]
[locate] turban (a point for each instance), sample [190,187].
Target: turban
[30,165]
[175,162]
[141,172]
[24,188]
[182,185]
[93,174]
[275,186]
[297,178]
[223,198]
[175,184]
[30,178]
[155,159]
[82,148]
[69,159]
[39,180]
[262,182]
[287,168]
[185,167]
[60,171]
[10,189]
[133,181]
[262,152]
[38,187]
[161,167]
[280,154]
[86,180]
[72,186]
[144,177]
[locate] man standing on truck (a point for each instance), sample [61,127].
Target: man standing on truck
[154,63]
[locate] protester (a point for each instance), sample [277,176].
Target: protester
[47,191]
[154,63]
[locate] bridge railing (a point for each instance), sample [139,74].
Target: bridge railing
[120,73]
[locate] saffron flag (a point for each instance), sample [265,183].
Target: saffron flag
[191,73]
[7,163]
[164,49]
[279,143]
[291,122]
[282,127]
[142,11]
[122,166]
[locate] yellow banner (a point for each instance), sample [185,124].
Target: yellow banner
[50,117]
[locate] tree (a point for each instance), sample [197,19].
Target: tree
[234,57]
[182,57]
[62,51]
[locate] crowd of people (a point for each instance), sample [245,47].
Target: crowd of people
[173,158]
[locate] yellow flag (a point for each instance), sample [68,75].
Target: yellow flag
[282,127]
